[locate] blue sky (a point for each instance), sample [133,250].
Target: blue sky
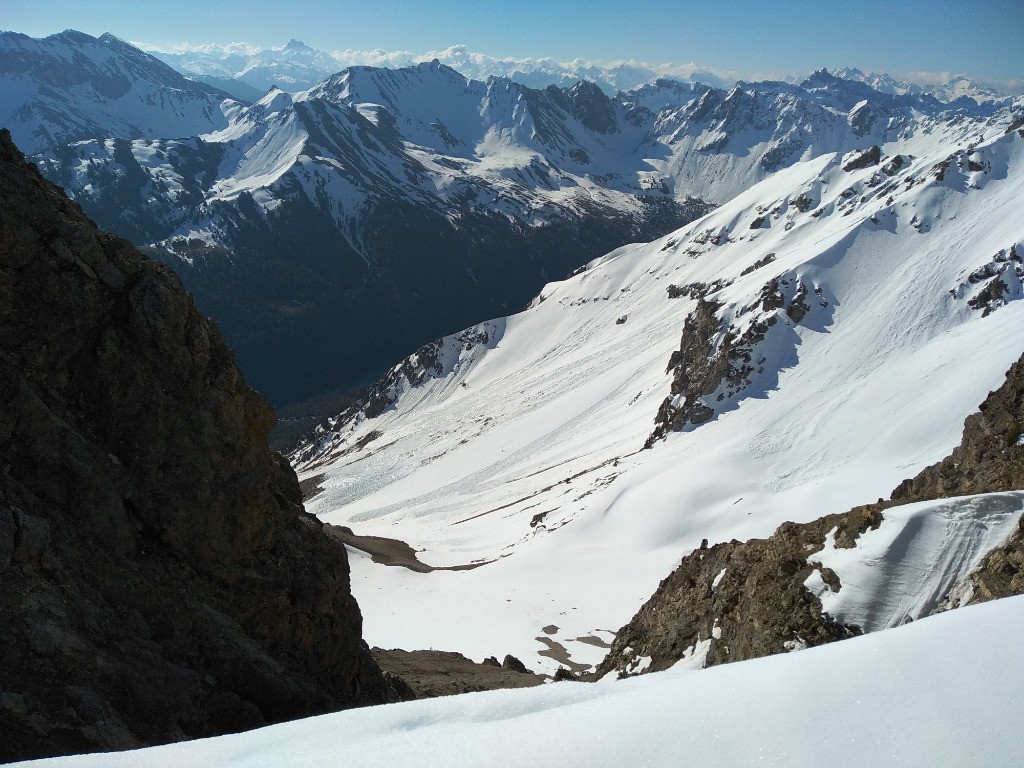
[982,38]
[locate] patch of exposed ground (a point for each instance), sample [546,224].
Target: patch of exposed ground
[560,653]
[387,551]
[445,673]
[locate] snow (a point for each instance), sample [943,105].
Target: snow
[944,691]
[905,568]
[526,455]
[70,86]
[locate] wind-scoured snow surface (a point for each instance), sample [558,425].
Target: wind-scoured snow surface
[944,691]
[909,565]
[518,445]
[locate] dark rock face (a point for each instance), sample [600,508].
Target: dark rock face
[161,579]
[589,104]
[737,601]
[865,159]
[695,372]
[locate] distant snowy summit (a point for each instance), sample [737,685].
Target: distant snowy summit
[952,90]
[71,86]
[247,71]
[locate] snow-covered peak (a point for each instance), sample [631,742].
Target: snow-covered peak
[948,92]
[71,86]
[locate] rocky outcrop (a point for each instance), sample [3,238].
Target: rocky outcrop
[990,456]
[446,673]
[1001,573]
[717,362]
[735,601]
[161,579]
[865,159]
[589,104]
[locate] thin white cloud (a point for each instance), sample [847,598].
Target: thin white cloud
[622,73]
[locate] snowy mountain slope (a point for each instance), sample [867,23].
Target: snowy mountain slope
[874,567]
[857,307]
[427,132]
[437,200]
[939,692]
[70,86]
[947,537]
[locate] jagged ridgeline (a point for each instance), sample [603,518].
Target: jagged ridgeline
[334,230]
[735,601]
[161,580]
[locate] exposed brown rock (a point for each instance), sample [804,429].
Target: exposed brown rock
[746,599]
[161,579]
[695,372]
[716,362]
[445,673]
[990,456]
[803,203]
[868,157]
[1002,571]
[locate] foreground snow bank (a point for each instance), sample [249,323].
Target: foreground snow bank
[941,691]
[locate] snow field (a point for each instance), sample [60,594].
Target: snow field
[944,691]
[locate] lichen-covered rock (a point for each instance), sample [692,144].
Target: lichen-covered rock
[161,579]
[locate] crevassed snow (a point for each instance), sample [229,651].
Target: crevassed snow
[944,691]
[904,569]
[527,456]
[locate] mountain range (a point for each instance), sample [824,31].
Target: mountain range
[248,71]
[72,86]
[389,207]
[671,377]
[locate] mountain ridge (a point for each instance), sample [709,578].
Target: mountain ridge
[71,86]
[493,185]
